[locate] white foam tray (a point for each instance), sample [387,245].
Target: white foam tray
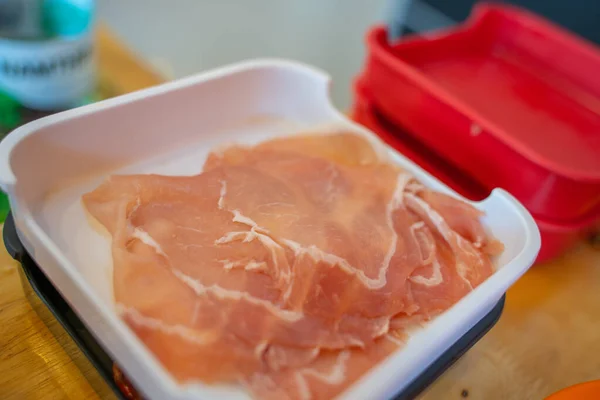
[46,165]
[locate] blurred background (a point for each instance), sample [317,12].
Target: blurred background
[186,36]
[183,37]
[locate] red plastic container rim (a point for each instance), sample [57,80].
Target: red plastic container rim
[589,221]
[379,48]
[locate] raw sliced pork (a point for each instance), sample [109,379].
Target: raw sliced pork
[290,267]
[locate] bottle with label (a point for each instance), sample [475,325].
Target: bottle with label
[46,52]
[47,61]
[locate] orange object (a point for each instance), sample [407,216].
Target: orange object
[126,388]
[582,391]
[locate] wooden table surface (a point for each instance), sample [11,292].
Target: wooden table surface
[547,338]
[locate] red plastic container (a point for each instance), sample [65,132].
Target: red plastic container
[508,98]
[556,236]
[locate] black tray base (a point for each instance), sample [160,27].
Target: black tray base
[44,297]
